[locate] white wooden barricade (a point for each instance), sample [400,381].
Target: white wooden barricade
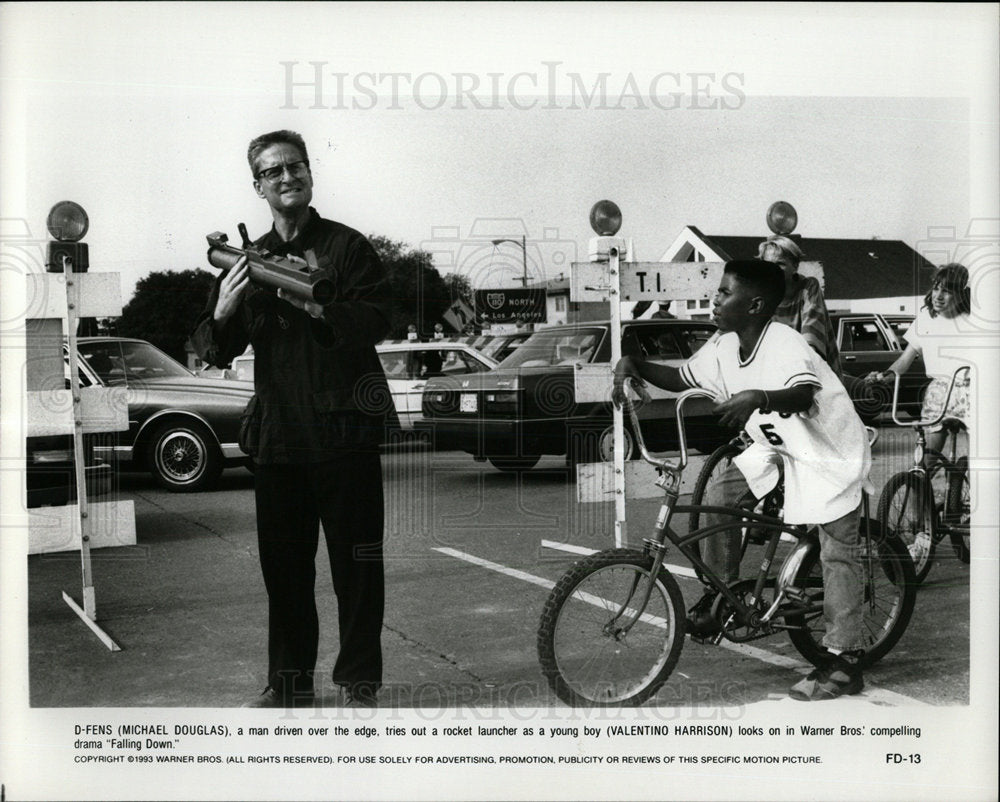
[60,300]
[617,281]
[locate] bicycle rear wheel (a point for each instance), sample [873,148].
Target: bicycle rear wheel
[957,511]
[586,657]
[889,596]
[904,510]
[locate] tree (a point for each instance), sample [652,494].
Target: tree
[420,295]
[166,304]
[164,308]
[459,287]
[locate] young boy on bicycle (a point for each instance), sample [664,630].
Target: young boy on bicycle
[773,385]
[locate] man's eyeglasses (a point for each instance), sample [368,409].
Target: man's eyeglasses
[273,174]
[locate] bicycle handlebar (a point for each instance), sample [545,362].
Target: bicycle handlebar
[659,462]
[944,407]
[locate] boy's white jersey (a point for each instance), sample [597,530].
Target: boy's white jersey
[825,450]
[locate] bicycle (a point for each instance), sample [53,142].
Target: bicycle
[613,627]
[716,464]
[907,505]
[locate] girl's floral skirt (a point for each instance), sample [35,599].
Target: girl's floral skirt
[958,405]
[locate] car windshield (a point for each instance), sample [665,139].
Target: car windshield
[118,362]
[502,346]
[492,346]
[555,347]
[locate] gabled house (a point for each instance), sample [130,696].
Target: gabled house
[860,275]
[560,309]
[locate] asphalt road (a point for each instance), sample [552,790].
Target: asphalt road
[469,564]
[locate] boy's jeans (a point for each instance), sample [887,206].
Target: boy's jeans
[839,556]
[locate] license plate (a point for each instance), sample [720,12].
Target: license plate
[468,402]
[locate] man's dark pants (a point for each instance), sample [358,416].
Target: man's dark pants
[346,495]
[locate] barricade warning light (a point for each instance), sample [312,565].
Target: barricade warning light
[67,224]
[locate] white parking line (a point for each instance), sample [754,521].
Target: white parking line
[681,570]
[872,694]
[500,569]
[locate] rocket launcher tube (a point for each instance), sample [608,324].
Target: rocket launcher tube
[305,280]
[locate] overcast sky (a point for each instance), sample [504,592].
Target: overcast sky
[445,126]
[871,120]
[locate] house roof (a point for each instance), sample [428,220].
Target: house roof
[852,268]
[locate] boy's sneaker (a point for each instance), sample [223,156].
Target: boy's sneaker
[701,624]
[841,676]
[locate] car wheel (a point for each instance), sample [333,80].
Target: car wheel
[591,444]
[514,464]
[184,458]
[606,445]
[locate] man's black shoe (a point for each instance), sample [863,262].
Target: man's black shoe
[271,698]
[361,694]
[700,621]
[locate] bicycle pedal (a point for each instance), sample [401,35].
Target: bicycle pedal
[796,595]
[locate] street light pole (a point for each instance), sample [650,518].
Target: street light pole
[524,255]
[524,261]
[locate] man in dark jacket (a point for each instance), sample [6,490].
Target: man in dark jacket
[662,312]
[313,428]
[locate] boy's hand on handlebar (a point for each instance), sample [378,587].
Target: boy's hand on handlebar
[735,411]
[624,370]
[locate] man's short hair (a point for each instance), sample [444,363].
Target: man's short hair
[765,279]
[265,141]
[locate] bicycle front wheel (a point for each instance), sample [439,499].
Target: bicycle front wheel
[904,510]
[711,471]
[958,517]
[590,651]
[889,595]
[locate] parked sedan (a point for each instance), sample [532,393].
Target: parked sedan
[408,366]
[527,407]
[868,342]
[182,428]
[50,472]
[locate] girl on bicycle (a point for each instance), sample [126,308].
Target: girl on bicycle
[940,323]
